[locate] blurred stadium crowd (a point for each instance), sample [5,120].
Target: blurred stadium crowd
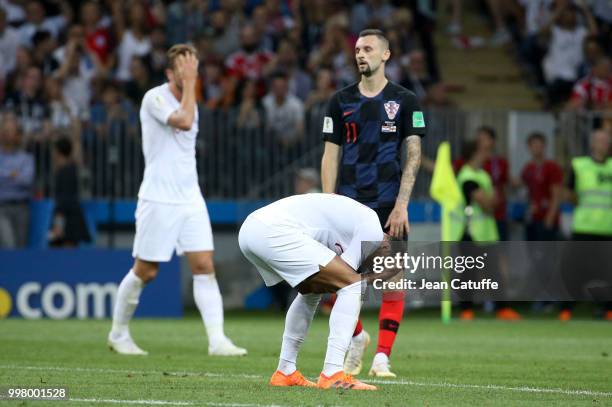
[73,73]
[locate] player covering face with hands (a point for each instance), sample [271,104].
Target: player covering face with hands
[171,213]
[314,242]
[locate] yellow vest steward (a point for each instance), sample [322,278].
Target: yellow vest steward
[481,226]
[593,214]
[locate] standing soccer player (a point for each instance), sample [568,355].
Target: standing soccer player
[367,124]
[171,212]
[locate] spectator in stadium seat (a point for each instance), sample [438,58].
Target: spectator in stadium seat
[140,83]
[544,180]
[16,181]
[29,105]
[285,58]
[15,13]
[157,59]
[42,53]
[69,228]
[63,113]
[594,92]
[250,61]
[98,38]
[9,42]
[133,37]
[336,52]
[565,50]
[250,115]
[78,66]
[323,90]
[284,112]
[593,52]
[224,33]
[185,20]
[38,21]
[602,10]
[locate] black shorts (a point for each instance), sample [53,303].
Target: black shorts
[383,215]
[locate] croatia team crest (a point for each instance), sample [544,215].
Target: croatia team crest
[391,108]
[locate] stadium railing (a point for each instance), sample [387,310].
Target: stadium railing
[247,163]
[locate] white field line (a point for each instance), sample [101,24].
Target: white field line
[521,389]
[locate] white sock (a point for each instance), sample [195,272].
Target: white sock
[342,322]
[298,319]
[208,299]
[128,295]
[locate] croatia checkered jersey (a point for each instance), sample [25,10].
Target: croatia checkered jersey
[370,132]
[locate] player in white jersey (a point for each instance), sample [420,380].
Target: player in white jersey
[171,213]
[314,242]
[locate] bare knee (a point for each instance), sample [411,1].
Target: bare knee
[202,264]
[145,270]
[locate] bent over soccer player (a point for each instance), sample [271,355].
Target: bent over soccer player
[314,243]
[171,212]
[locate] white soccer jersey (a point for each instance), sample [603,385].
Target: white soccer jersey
[337,222]
[170,174]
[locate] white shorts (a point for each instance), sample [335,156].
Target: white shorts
[281,252]
[161,228]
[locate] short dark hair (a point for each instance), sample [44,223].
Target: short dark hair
[377,33]
[490,131]
[63,146]
[536,136]
[469,150]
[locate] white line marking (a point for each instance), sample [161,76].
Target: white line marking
[522,389]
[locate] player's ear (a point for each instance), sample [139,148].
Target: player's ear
[386,55]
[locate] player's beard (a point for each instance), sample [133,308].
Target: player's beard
[368,71]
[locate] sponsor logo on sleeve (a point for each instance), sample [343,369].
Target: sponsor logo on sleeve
[418,120]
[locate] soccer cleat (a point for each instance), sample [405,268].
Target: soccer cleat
[466,315]
[341,380]
[565,315]
[354,356]
[508,314]
[608,315]
[294,379]
[226,348]
[125,346]
[381,367]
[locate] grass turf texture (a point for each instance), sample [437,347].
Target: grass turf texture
[484,362]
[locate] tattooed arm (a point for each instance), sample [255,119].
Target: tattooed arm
[398,219]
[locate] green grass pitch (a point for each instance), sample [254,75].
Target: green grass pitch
[485,362]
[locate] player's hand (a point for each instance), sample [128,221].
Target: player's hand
[187,66]
[398,222]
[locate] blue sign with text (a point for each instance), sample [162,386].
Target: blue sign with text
[79,283]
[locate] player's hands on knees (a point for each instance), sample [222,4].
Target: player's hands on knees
[398,222]
[187,66]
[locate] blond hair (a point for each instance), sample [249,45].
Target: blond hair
[179,49]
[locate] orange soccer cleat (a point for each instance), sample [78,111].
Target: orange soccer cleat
[508,314]
[466,315]
[565,315]
[341,380]
[608,316]
[294,379]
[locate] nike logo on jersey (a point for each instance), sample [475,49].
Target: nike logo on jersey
[344,114]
